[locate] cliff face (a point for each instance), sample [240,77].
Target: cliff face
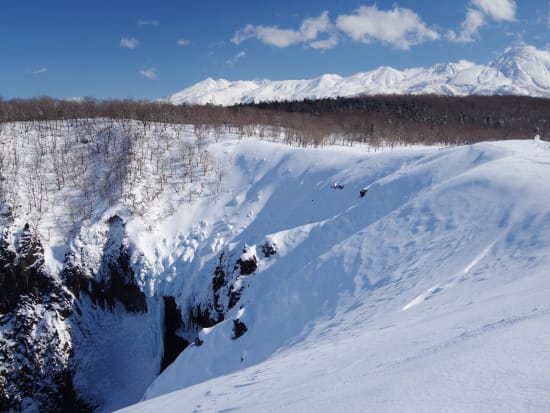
[35,339]
[114,280]
[43,316]
[113,328]
[68,342]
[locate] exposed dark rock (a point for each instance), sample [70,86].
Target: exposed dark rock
[116,277]
[22,271]
[35,346]
[234,297]
[226,288]
[173,344]
[239,328]
[8,278]
[116,270]
[269,249]
[121,287]
[363,192]
[247,266]
[202,316]
[221,275]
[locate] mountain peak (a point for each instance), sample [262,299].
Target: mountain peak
[526,67]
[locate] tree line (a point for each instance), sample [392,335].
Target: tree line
[374,120]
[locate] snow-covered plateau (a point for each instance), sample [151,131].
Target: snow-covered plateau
[519,70]
[294,279]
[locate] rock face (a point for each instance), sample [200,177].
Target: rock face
[50,323]
[35,344]
[226,287]
[173,343]
[22,270]
[239,328]
[39,311]
[114,280]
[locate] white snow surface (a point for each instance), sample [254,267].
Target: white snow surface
[429,294]
[520,70]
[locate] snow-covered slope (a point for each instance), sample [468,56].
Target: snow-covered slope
[124,242]
[430,293]
[521,70]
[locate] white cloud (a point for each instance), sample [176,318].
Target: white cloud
[498,10]
[236,58]
[474,20]
[183,42]
[308,33]
[148,22]
[129,42]
[312,27]
[477,15]
[329,43]
[39,70]
[402,28]
[150,73]
[451,35]
[271,35]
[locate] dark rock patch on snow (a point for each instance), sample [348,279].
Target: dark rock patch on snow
[247,263]
[269,249]
[173,343]
[239,328]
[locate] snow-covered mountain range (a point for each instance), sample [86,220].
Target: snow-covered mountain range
[521,70]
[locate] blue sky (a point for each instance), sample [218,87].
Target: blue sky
[147,49]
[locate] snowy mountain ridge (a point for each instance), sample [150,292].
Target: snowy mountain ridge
[520,70]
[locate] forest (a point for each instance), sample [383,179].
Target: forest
[375,120]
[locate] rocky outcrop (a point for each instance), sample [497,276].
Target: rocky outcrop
[114,280]
[225,289]
[228,282]
[247,265]
[22,269]
[269,249]
[173,343]
[35,345]
[38,312]
[47,320]
[239,328]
